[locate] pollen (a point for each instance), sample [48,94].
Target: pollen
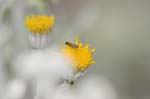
[81,56]
[40,24]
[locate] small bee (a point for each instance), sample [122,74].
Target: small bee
[71,45]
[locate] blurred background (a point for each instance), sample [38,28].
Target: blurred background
[118,29]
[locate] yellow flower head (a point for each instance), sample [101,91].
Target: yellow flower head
[80,56]
[40,24]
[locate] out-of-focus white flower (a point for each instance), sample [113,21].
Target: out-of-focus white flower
[47,68]
[97,88]
[88,88]
[15,89]
[43,63]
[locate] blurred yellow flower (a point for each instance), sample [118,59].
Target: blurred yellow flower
[80,56]
[40,24]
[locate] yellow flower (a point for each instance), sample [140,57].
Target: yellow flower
[40,24]
[80,56]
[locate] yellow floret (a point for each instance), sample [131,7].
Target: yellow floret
[81,57]
[40,24]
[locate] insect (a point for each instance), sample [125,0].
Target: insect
[71,82]
[71,45]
